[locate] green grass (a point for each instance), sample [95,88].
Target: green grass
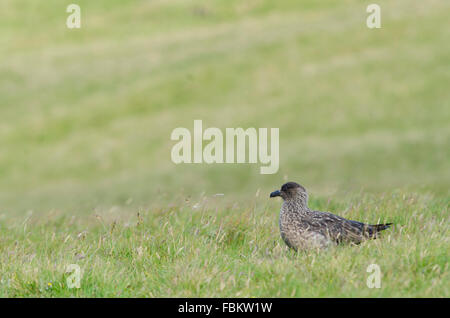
[85,123]
[194,249]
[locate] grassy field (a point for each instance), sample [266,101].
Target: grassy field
[86,176]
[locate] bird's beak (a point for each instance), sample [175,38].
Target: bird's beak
[275,194]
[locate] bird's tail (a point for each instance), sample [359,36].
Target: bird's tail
[381,227]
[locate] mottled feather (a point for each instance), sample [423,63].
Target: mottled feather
[303,228]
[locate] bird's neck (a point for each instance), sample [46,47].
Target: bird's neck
[296,206]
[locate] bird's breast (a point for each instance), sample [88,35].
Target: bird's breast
[296,232]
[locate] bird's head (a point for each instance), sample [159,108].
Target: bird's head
[291,191]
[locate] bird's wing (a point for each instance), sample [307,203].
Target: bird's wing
[337,228]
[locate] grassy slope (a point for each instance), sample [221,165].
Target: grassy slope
[85,120]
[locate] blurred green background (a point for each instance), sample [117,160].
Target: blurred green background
[86,114]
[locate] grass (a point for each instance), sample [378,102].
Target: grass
[85,123]
[193,249]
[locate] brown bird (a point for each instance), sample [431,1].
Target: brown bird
[302,228]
